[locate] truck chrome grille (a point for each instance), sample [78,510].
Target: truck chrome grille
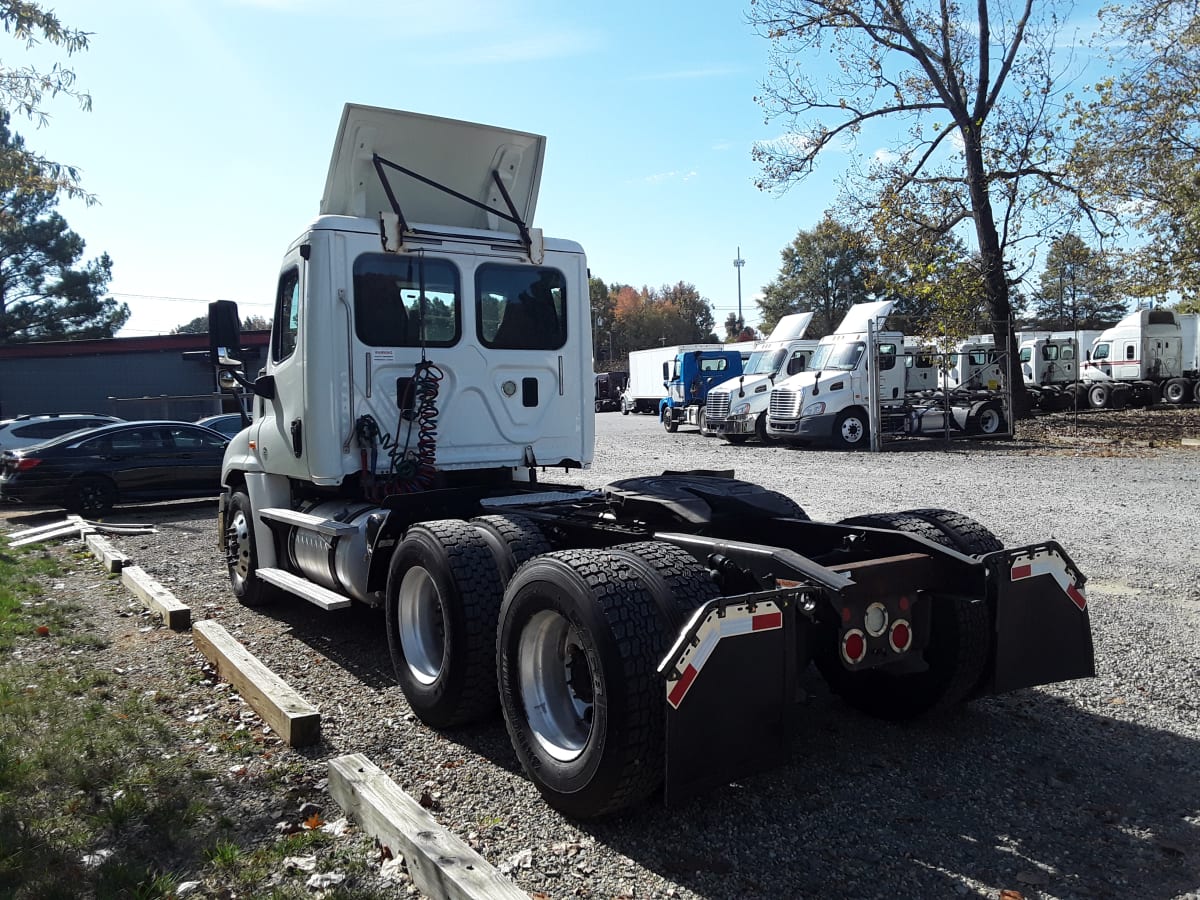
[717,406]
[783,404]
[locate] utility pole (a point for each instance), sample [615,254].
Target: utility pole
[737,264]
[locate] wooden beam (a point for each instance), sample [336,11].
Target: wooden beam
[174,614]
[441,865]
[112,558]
[292,717]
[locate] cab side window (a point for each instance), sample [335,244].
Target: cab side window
[287,316]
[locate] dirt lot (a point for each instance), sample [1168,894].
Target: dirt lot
[1112,432]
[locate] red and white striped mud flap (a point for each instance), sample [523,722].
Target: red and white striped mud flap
[728,686]
[1043,632]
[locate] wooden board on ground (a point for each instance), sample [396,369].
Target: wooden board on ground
[441,865]
[112,558]
[292,717]
[175,614]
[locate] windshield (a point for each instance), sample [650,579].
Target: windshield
[765,362]
[841,357]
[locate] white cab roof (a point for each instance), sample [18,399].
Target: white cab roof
[791,327]
[457,155]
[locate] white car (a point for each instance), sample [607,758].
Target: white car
[24,431]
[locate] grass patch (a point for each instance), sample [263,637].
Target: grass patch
[96,797]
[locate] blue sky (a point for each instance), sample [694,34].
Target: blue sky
[213,121]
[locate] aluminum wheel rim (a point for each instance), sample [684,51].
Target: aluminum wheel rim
[239,547]
[556,685]
[852,430]
[422,626]
[989,421]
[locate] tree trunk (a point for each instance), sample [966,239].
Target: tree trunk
[995,281]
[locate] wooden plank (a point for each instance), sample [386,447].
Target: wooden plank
[292,717]
[112,558]
[175,614]
[441,865]
[61,531]
[41,529]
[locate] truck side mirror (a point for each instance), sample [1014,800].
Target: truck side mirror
[224,333]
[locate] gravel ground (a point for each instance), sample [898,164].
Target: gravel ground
[1078,790]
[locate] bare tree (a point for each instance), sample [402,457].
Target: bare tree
[977,89]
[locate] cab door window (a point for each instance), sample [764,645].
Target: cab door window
[287,316]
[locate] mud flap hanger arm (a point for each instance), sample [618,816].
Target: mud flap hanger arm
[511,216]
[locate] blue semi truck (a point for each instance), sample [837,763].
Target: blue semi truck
[688,378]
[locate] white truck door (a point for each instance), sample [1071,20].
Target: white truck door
[281,424]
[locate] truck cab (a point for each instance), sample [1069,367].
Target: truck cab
[829,401]
[687,380]
[737,409]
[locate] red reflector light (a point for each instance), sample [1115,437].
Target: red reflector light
[27,462]
[854,646]
[900,636]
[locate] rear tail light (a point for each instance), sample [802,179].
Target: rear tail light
[900,636]
[854,646]
[27,462]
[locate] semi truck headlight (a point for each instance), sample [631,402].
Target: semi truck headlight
[739,411]
[814,409]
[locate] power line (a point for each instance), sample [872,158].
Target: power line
[175,299]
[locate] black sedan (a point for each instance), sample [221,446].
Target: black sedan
[91,471]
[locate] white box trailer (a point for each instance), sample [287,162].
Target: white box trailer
[647,377]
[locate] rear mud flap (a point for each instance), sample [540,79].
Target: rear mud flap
[728,691]
[1043,632]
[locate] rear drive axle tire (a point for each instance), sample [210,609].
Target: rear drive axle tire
[514,540]
[967,535]
[443,601]
[579,640]
[678,583]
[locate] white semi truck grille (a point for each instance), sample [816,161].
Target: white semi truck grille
[717,406]
[783,404]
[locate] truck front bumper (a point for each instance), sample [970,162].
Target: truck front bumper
[722,427]
[809,428]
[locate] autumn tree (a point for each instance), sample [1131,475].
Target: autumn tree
[974,86]
[649,317]
[24,91]
[824,271]
[1139,138]
[1078,288]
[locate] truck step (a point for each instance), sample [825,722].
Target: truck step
[302,587]
[326,527]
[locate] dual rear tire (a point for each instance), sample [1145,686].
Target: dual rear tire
[483,614]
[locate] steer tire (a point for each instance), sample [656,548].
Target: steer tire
[678,583]
[241,554]
[760,430]
[736,438]
[513,540]
[851,430]
[443,602]
[91,496]
[956,659]
[579,640]
[967,535]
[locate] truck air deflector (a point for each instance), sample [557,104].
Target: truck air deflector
[1043,632]
[728,691]
[498,169]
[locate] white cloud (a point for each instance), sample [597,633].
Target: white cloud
[663,177]
[884,156]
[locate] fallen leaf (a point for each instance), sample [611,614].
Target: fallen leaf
[1007,894]
[314,821]
[43,631]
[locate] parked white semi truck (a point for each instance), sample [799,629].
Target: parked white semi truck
[860,367]
[737,409]
[430,356]
[1148,357]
